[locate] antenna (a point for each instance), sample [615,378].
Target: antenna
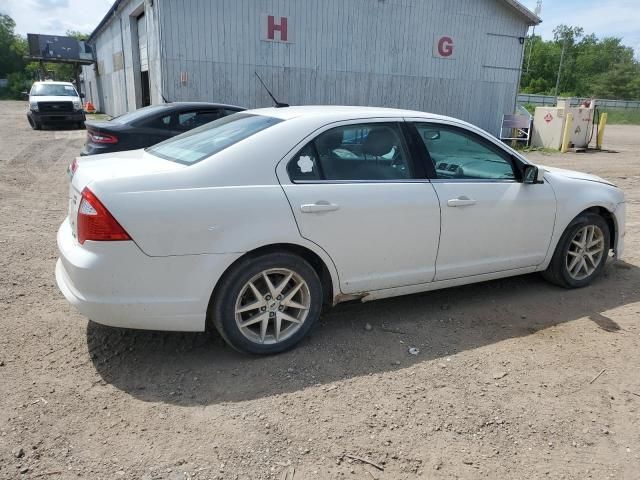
[277,103]
[538,9]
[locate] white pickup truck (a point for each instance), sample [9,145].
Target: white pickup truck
[55,103]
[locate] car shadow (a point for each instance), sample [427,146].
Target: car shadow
[353,339]
[59,127]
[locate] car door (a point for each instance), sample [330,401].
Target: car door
[491,221]
[356,192]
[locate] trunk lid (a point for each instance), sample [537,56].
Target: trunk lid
[110,166]
[101,127]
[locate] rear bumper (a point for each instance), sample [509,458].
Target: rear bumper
[53,117]
[115,284]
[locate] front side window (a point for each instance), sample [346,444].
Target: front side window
[458,154]
[204,141]
[373,151]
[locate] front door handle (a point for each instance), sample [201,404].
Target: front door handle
[319,207]
[461,201]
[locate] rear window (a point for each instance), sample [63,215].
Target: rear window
[204,141]
[141,113]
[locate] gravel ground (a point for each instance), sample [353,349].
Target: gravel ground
[502,387]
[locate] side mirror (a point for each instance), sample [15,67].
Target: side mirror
[81,95]
[25,95]
[532,175]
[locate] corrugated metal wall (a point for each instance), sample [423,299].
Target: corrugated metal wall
[359,52]
[116,88]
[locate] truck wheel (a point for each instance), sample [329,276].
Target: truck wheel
[34,125]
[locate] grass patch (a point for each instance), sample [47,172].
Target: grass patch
[98,116]
[528,149]
[622,117]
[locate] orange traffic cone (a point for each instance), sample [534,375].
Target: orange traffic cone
[89,108]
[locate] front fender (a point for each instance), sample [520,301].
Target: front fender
[575,196]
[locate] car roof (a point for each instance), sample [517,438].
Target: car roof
[181,105]
[333,111]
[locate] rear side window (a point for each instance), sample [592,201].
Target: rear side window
[374,151]
[163,122]
[202,142]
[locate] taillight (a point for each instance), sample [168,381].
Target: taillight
[99,137]
[73,167]
[95,222]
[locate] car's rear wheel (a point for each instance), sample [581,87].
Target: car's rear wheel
[581,253]
[267,304]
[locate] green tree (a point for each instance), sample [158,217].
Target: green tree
[12,47]
[591,66]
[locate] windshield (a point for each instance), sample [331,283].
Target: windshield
[204,141]
[140,113]
[53,90]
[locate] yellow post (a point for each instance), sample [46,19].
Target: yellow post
[601,127]
[567,133]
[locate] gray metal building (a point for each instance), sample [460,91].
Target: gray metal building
[456,57]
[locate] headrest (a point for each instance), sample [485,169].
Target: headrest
[379,142]
[329,141]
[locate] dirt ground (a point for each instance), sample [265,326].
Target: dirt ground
[503,386]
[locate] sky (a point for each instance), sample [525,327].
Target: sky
[620,18]
[55,17]
[605,18]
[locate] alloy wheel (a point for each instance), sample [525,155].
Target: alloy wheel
[585,252]
[272,306]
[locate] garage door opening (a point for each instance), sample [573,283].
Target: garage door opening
[145,93]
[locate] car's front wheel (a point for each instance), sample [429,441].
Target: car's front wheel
[267,304]
[581,253]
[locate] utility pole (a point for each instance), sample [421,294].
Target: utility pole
[564,47]
[537,11]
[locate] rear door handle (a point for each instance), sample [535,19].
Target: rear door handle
[319,207]
[461,201]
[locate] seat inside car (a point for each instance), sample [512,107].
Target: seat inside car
[369,165]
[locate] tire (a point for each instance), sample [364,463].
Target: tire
[266,306]
[80,125]
[35,125]
[559,272]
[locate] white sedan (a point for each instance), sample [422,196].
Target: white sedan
[255,222]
